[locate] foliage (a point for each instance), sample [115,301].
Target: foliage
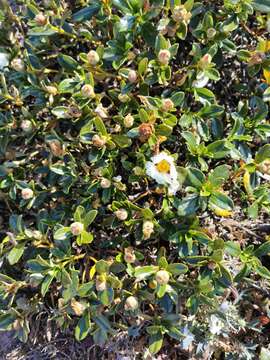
[123,125]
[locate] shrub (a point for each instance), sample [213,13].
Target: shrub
[130,129]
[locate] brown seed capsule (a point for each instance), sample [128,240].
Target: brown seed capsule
[41,19]
[98,141]
[162,277]
[145,131]
[167,104]
[27,194]
[56,148]
[76,228]
[77,307]
[164,57]
[74,112]
[131,303]
[129,256]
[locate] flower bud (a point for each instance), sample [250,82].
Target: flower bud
[180,14]
[129,256]
[121,214]
[162,277]
[128,120]
[164,57]
[98,141]
[105,183]
[131,303]
[17,64]
[167,104]
[132,76]
[265,167]
[77,307]
[52,90]
[145,131]
[76,228]
[93,57]
[211,32]
[26,125]
[88,91]
[101,111]
[205,61]
[101,283]
[41,19]
[148,229]
[123,98]
[27,194]
[152,284]
[117,128]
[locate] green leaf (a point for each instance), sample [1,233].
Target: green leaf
[262,271]
[89,217]
[263,249]
[160,43]
[221,201]
[263,153]
[102,267]
[218,149]
[85,238]
[261,5]
[188,206]
[211,111]
[62,234]
[155,343]
[86,13]
[67,62]
[219,175]
[195,178]
[178,98]
[122,141]
[143,272]
[38,265]
[16,253]
[61,112]
[47,282]
[6,320]
[100,126]
[83,327]
[233,248]
[106,296]
[177,268]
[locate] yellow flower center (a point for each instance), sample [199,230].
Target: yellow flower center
[163,166]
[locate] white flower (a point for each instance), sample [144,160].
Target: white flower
[162,169]
[189,337]
[215,325]
[3,60]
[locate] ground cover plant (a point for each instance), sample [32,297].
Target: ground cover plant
[134,176]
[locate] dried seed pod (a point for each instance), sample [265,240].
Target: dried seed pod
[145,131]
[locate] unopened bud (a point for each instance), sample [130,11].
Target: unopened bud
[17,64]
[180,14]
[27,194]
[164,57]
[93,57]
[205,61]
[265,167]
[167,104]
[123,98]
[98,141]
[41,19]
[131,303]
[26,125]
[105,183]
[129,256]
[132,76]
[148,229]
[121,214]
[101,283]
[88,91]
[76,228]
[211,32]
[128,120]
[52,90]
[162,277]
[101,111]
